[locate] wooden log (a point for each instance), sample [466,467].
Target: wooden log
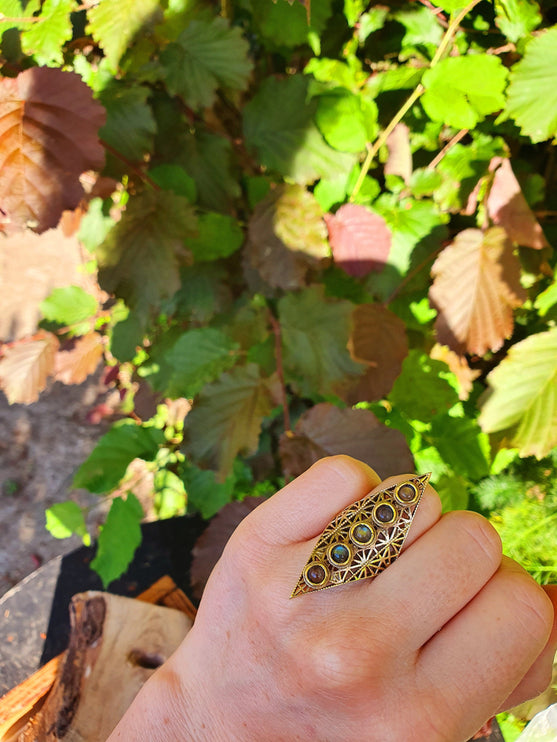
[115,645]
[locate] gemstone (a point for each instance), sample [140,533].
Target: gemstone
[339,554]
[406,493]
[362,534]
[384,513]
[316,574]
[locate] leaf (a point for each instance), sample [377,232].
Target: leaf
[226,417]
[170,494]
[422,27]
[130,126]
[116,24]
[378,339]
[399,161]
[45,38]
[206,494]
[287,237]
[517,18]
[95,224]
[315,334]
[75,365]
[119,539]
[458,365]
[290,26]
[547,299]
[462,445]
[478,316]
[462,91]
[175,178]
[68,305]
[453,492]
[508,208]
[41,158]
[532,93]
[13,9]
[106,465]
[25,367]
[63,519]
[206,56]
[420,391]
[209,546]
[360,240]
[347,121]
[278,125]
[218,236]
[198,357]
[139,260]
[522,398]
[325,430]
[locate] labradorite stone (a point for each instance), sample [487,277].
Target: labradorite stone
[340,554]
[406,493]
[385,513]
[316,574]
[361,533]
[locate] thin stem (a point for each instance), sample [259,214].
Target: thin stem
[410,276]
[134,168]
[280,370]
[450,144]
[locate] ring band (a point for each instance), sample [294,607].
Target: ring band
[364,538]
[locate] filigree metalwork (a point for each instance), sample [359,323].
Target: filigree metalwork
[364,538]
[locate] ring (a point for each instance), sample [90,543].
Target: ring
[364,538]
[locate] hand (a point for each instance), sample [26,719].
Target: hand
[441,640]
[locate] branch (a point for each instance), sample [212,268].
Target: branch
[450,144]
[280,370]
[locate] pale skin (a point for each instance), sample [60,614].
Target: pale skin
[445,637]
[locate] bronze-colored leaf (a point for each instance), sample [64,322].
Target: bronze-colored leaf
[508,208]
[459,366]
[74,366]
[360,240]
[48,136]
[210,545]
[25,367]
[325,430]
[286,237]
[475,289]
[378,338]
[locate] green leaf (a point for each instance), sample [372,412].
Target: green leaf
[206,56]
[139,259]
[335,73]
[453,492]
[546,300]
[462,445]
[315,333]
[116,24]
[347,121]
[462,91]
[95,224]
[286,24]
[517,18]
[532,93]
[63,519]
[202,292]
[68,306]
[226,418]
[522,398]
[106,465]
[278,124]
[130,126]
[45,38]
[119,539]
[422,27]
[206,495]
[451,6]
[420,391]
[127,334]
[218,237]
[198,357]
[170,494]
[175,178]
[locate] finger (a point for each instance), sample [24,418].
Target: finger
[481,655]
[539,675]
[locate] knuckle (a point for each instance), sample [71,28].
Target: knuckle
[533,608]
[333,664]
[482,534]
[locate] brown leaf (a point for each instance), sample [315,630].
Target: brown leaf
[476,286]
[459,366]
[210,545]
[325,430]
[360,240]
[25,367]
[399,161]
[31,266]
[508,208]
[286,237]
[49,123]
[74,366]
[378,338]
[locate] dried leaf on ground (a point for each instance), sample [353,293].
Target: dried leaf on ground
[74,366]
[210,545]
[459,366]
[26,366]
[49,126]
[360,240]
[399,161]
[378,339]
[325,430]
[475,289]
[508,208]
[286,237]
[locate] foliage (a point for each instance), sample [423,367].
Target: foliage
[298,229]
